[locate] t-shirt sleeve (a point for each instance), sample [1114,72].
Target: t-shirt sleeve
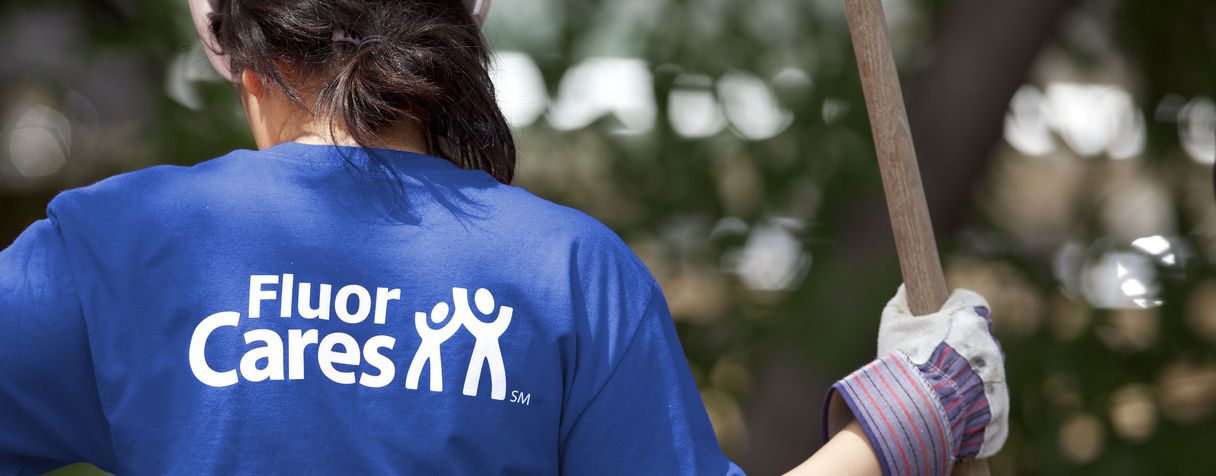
[50,413]
[633,407]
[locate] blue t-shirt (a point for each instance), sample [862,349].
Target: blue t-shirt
[311,309]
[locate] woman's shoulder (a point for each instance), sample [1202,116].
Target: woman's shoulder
[592,244]
[150,188]
[542,217]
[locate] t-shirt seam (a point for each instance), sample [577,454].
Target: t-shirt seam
[616,365]
[57,224]
[377,174]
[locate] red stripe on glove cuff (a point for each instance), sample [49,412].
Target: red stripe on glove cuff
[919,419]
[961,393]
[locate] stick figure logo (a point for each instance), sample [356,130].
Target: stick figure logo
[428,353]
[486,349]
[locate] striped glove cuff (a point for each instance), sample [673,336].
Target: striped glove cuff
[919,418]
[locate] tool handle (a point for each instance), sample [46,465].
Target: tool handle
[919,262]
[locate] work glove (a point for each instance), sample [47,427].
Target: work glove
[935,395]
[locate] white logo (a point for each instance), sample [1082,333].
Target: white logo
[486,350]
[428,353]
[339,355]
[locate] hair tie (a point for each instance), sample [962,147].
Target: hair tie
[341,36]
[369,40]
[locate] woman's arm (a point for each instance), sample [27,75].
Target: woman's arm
[50,413]
[936,395]
[846,454]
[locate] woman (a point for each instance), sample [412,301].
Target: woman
[365,294]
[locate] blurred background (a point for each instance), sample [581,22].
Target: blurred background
[1066,147]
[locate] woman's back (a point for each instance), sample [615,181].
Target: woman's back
[308,309]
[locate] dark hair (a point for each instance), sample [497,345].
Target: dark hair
[422,61]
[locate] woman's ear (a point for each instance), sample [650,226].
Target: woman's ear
[251,82]
[253,99]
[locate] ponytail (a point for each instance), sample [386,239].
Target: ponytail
[379,63]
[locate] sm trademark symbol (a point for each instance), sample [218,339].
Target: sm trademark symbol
[521,398]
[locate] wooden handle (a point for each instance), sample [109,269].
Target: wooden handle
[918,259]
[919,262]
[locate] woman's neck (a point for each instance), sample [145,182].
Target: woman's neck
[403,137]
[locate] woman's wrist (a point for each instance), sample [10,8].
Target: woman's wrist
[848,453]
[900,414]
